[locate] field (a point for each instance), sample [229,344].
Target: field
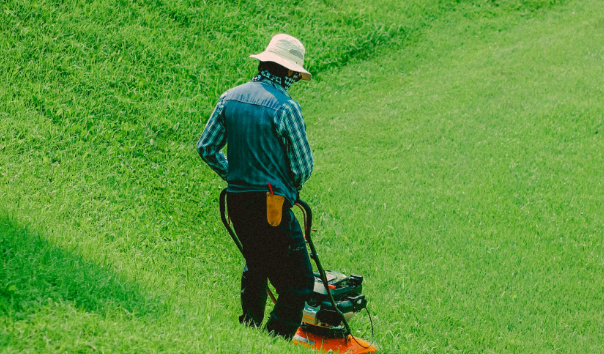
[458,166]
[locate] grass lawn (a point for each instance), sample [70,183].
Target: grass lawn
[464,178]
[459,170]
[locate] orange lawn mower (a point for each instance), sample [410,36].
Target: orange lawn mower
[324,324]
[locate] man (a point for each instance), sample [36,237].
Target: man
[268,153]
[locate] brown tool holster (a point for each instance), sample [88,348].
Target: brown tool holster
[274,208]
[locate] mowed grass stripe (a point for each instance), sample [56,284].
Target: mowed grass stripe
[469,189]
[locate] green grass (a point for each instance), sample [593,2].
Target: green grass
[458,167]
[478,172]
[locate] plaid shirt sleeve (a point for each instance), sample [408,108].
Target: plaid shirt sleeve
[292,130]
[212,140]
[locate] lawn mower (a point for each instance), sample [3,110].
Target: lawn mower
[324,324]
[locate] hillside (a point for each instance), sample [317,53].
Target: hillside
[457,148]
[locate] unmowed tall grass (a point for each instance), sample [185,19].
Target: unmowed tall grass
[110,234]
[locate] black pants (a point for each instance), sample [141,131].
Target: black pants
[275,253]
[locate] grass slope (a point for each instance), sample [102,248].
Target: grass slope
[459,175]
[464,177]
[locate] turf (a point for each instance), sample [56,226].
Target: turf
[480,173]
[457,168]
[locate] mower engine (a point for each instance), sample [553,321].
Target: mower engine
[347,293]
[322,327]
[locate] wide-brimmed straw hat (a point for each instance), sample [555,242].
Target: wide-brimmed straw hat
[286,51]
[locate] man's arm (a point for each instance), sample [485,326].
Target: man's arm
[212,140]
[292,130]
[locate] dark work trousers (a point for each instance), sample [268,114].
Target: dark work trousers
[275,253]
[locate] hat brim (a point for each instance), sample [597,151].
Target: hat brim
[268,56]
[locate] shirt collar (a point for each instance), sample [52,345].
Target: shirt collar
[268,78]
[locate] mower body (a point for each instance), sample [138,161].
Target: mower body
[347,345]
[322,327]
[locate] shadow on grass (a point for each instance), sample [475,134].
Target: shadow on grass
[33,273]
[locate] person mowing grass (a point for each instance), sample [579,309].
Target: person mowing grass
[269,159]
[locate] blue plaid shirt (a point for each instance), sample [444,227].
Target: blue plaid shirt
[290,128]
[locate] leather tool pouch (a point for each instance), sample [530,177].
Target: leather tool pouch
[274,208]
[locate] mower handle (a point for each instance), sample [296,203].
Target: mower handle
[307,229]
[307,216]
[226,222]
